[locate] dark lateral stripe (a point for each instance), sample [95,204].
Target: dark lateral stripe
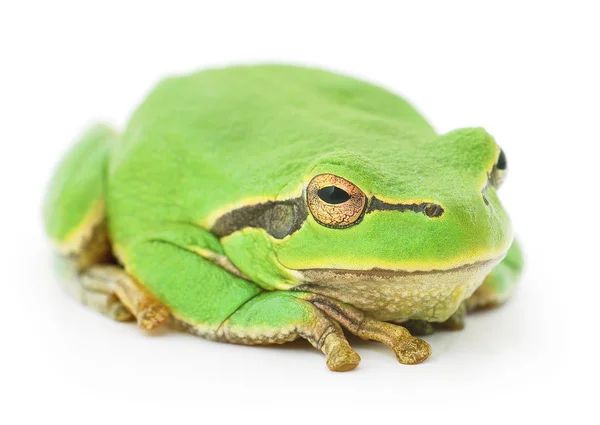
[429,209]
[278,218]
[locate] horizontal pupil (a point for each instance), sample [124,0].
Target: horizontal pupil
[333,195]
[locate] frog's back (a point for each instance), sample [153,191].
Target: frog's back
[240,132]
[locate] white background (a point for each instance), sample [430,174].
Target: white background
[527,72]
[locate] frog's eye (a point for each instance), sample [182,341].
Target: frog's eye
[500,170]
[501,163]
[334,201]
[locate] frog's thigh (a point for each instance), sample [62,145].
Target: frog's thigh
[277,317]
[74,207]
[499,285]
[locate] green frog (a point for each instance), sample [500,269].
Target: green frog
[259,204]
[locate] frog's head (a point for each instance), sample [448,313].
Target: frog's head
[373,226]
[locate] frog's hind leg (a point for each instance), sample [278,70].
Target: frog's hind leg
[75,219]
[92,277]
[74,209]
[90,294]
[499,285]
[110,290]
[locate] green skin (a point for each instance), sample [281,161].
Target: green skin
[222,140]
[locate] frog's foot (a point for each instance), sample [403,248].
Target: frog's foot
[408,349]
[278,317]
[340,356]
[111,291]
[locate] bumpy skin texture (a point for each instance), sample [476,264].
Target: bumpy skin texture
[205,197]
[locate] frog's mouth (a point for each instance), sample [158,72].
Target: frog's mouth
[328,276]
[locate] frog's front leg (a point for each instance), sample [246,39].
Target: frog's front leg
[408,349]
[277,317]
[218,303]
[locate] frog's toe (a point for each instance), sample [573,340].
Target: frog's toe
[343,360]
[340,356]
[413,351]
[152,316]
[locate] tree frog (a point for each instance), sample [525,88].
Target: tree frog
[258,204]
